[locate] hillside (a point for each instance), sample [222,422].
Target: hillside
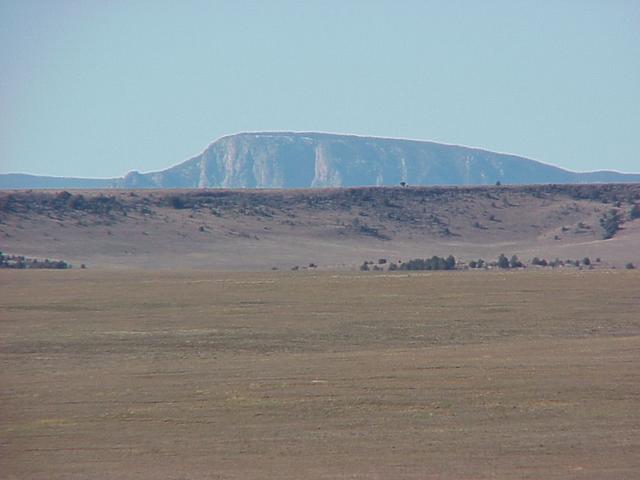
[331,228]
[321,160]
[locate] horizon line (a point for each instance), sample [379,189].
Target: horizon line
[321,132]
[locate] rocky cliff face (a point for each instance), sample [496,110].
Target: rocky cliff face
[302,160]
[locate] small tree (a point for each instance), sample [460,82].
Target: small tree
[586,261]
[515,262]
[503,262]
[450,263]
[630,266]
[610,223]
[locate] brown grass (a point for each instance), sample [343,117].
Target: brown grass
[184,375]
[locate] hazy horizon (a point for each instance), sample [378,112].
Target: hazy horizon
[94,89]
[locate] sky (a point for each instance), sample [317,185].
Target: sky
[96,88]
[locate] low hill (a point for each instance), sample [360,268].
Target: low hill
[321,160]
[330,228]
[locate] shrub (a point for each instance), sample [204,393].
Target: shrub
[76,202]
[515,262]
[610,223]
[450,262]
[177,202]
[556,263]
[630,266]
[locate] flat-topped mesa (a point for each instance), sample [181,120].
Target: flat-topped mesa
[303,160]
[308,159]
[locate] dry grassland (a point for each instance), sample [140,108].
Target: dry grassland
[283,375]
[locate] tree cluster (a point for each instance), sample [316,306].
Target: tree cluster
[433,263]
[21,262]
[610,223]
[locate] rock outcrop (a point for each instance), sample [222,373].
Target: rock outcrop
[303,160]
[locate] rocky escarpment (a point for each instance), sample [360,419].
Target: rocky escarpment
[303,160]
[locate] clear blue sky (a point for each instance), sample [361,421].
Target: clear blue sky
[97,87]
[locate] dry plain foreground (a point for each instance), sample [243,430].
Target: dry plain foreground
[200,375]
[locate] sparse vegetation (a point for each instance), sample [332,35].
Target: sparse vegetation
[610,223]
[480,263]
[433,263]
[407,215]
[503,261]
[22,262]
[515,262]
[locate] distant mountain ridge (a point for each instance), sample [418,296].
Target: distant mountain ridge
[319,160]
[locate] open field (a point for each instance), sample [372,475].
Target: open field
[183,375]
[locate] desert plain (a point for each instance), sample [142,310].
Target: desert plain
[172,374]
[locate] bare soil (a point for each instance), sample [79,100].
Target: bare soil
[199,375]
